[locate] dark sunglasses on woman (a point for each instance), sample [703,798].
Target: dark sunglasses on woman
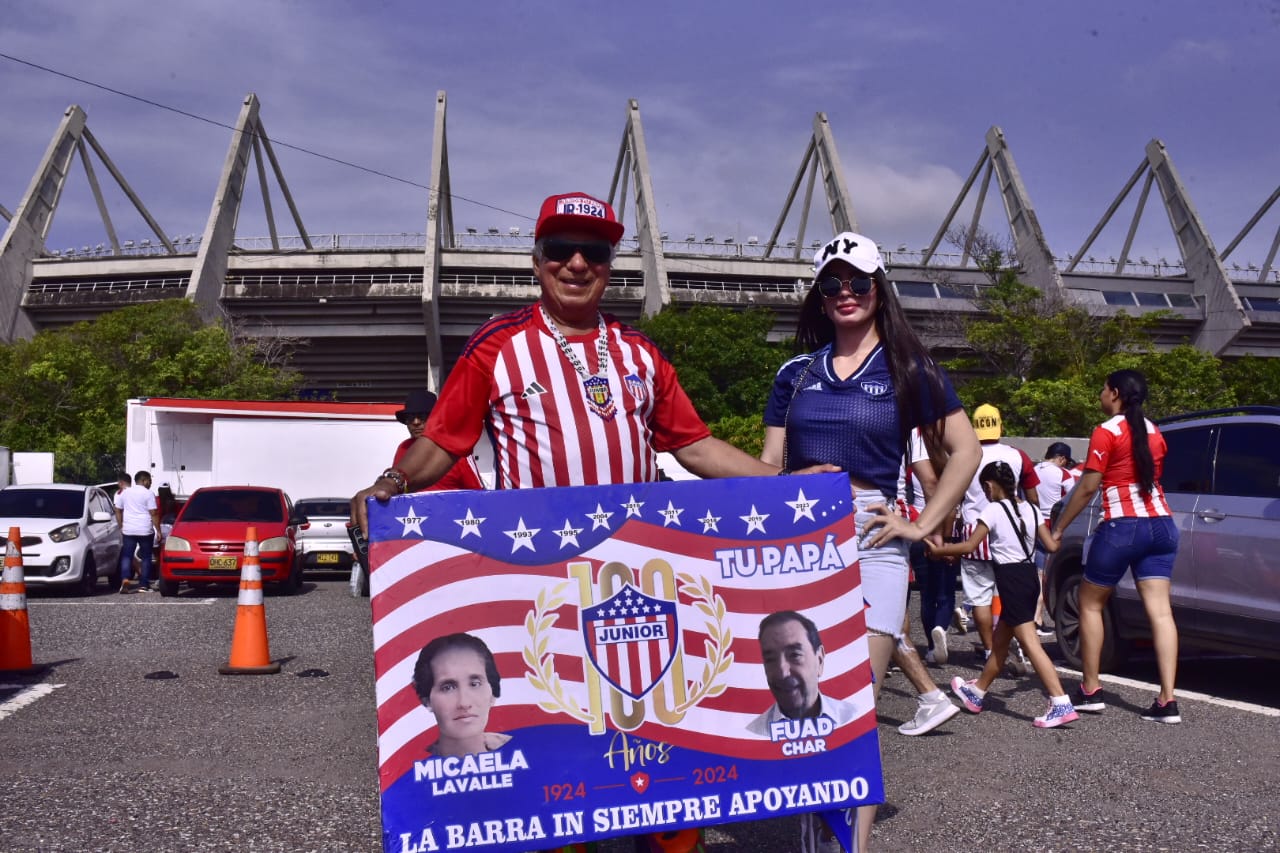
[831,286]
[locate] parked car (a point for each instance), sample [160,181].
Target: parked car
[323,540]
[206,544]
[70,536]
[1222,480]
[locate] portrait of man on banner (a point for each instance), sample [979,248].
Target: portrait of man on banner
[599,661]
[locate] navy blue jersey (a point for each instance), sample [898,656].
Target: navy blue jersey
[852,422]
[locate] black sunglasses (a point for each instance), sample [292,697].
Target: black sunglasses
[592,251]
[831,286]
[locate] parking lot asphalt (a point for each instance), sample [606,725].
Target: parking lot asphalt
[130,740]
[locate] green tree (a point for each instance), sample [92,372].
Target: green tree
[723,356]
[65,390]
[1254,381]
[745,432]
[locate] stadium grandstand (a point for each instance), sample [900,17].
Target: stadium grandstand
[370,316]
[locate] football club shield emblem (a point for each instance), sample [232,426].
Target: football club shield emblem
[631,639]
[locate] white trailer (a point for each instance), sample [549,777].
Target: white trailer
[308,449]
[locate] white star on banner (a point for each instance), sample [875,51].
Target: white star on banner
[568,535]
[755,521]
[803,507]
[671,515]
[470,525]
[412,522]
[709,522]
[522,537]
[632,506]
[600,518]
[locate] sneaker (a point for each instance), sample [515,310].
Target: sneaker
[929,657]
[1044,633]
[1093,703]
[967,694]
[959,621]
[1166,713]
[144,589]
[1017,662]
[928,717]
[1057,715]
[939,652]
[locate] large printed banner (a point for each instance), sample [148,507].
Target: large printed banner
[561,665]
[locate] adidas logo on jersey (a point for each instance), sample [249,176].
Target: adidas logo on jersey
[534,389]
[816,386]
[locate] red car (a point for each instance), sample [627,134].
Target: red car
[206,544]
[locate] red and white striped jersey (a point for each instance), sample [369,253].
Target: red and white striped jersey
[1055,482]
[513,382]
[1111,456]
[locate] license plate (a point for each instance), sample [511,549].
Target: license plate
[222,562]
[328,558]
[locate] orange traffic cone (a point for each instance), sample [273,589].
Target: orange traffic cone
[249,652]
[15,628]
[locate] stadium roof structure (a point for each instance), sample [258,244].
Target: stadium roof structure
[370,316]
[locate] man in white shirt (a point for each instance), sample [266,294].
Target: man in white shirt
[139,517]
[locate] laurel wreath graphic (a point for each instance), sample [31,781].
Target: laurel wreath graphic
[719,638]
[541,662]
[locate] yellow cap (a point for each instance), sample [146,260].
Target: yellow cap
[986,422]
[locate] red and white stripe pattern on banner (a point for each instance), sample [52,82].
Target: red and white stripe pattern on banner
[1110,453]
[536,406]
[491,600]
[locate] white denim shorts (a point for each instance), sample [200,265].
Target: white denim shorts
[885,572]
[978,577]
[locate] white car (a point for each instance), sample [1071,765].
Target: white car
[323,541]
[70,536]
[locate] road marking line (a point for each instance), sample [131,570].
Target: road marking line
[190,602]
[1181,694]
[26,697]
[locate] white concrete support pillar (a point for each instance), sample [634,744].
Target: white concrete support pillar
[24,237]
[1224,315]
[210,271]
[1034,255]
[439,231]
[633,168]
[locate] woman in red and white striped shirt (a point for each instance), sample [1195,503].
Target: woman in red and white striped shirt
[1126,458]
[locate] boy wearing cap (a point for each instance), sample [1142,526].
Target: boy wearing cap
[977,570]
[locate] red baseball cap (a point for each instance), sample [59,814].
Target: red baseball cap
[578,212]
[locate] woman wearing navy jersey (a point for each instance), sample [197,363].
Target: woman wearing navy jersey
[852,400]
[1137,533]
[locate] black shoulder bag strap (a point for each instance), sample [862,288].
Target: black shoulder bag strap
[1020,526]
[786,420]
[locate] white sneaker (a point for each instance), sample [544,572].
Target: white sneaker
[939,652]
[929,658]
[928,717]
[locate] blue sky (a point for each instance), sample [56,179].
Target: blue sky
[727,91]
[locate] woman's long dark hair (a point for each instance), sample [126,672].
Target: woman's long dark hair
[1131,385]
[917,382]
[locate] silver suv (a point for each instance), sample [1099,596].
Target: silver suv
[1222,480]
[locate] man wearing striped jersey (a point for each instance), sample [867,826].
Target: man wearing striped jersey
[566,395]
